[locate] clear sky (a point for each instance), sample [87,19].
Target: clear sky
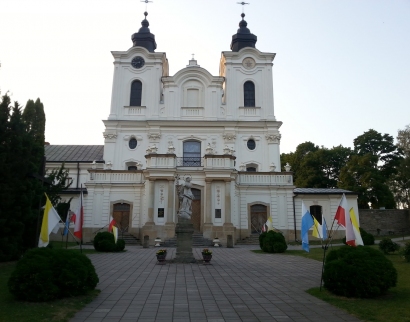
[341,67]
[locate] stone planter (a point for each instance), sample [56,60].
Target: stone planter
[161,258]
[207,258]
[157,242]
[216,242]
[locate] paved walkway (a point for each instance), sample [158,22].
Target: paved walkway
[238,285]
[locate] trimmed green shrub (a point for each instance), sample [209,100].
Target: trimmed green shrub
[386,245]
[405,252]
[105,242]
[261,238]
[274,242]
[45,274]
[358,272]
[120,245]
[368,239]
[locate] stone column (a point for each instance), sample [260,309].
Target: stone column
[169,220]
[228,227]
[208,226]
[149,228]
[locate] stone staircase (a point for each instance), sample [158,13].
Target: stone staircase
[251,240]
[128,238]
[198,240]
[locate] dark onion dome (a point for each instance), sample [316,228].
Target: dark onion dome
[243,38]
[144,38]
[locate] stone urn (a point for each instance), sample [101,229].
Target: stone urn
[161,255]
[157,242]
[206,255]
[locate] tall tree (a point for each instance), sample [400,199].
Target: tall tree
[403,140]
[21,151]
[367,172]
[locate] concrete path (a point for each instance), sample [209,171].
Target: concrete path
[238,285]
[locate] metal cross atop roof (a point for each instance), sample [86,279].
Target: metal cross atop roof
[243,5]
[146,3]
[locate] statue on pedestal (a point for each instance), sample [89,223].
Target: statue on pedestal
[185,198]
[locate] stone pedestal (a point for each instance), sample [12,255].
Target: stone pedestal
[229,241]
[184,230]
[146,242]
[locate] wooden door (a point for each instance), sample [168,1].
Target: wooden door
[121,215]
[259,217]
[196,210]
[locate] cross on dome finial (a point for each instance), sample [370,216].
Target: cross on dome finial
[193,56]
[146,4]
[243,7]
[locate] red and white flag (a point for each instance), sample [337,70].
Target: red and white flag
[343,219]
[78,219]
[112,224]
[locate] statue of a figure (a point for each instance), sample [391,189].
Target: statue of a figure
[185,198]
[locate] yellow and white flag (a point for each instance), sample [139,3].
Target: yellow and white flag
[269,223]
[115,232]
[356,229]
[50,223]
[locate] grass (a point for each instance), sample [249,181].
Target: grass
[394,306]
[59,310]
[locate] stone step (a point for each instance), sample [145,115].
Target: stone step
[251,240]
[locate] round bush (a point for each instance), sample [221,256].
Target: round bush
[45,274]
[104,242]
[274,242]
[261,238]
[386,245]
[120,245]
[358,272]
[405,252]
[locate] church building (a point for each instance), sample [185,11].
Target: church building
[220,131]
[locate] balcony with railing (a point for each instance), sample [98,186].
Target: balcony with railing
[115,176]
[190,162]
[265,178]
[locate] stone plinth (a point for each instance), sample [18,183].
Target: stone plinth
[184,230]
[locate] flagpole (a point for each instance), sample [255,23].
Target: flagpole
[68,228]
[82,215]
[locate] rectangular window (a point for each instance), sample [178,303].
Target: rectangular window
[161,212]
[218,213]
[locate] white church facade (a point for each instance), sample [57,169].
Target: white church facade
[221,131]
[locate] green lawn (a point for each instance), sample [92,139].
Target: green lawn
[395,306]
[60,310]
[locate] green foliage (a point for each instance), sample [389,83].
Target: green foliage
[60,181]
[386,245]
[368,239]
[261,238]
[358,272]
[105,242]
[367,172]
[44,274]
[274,242]
[405,252]
[120,246]
[316,167]
[21,154]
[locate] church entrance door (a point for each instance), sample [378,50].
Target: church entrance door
[259,216]
[196,209]
[121,215]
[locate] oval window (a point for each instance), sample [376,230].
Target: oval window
[251,144]
[132,143]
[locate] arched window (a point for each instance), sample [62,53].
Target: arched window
[136,93]
[249,94]
[192,154]
[316,211]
